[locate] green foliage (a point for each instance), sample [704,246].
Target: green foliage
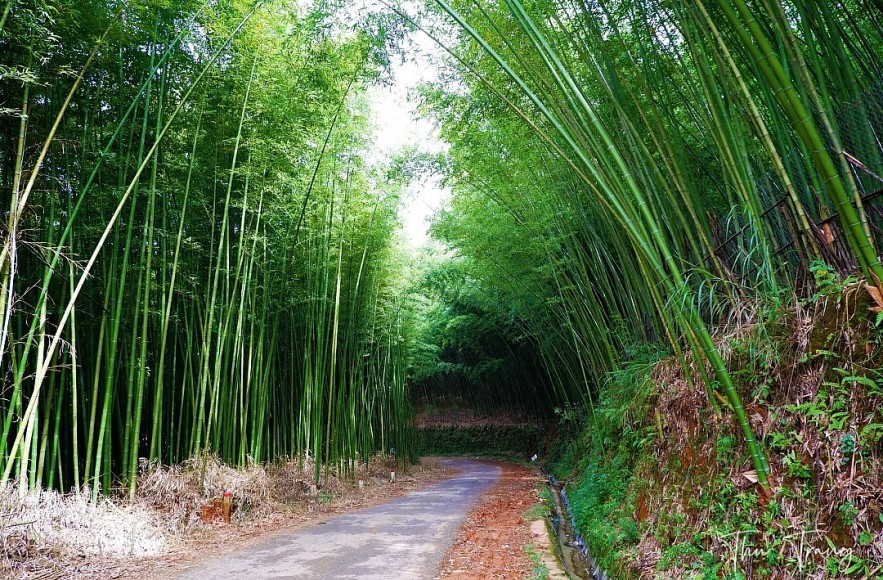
[517,442]
[673,556]
[217,268]
[466,349]
[599,451]
[795,467]
[599,507]
[540,570]
[541,510]
[689,491]
[847,511]
[611,133]
[829,408]
[826,278]
[724,447]
[847,565]
[872,434]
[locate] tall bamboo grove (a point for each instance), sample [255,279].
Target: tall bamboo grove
[661,166]
[195,258]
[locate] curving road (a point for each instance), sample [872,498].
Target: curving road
[403,539]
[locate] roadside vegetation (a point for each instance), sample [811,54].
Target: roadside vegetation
[176,517]
[196,257]
[660,485]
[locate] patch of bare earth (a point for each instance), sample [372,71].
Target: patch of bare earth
[490,543]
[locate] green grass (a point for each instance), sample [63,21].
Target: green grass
[541,510]
[540,570]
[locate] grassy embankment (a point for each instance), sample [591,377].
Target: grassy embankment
[663,487]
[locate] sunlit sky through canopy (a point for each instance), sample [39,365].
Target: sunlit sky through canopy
[397,124]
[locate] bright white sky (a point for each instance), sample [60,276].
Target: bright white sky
[396,124]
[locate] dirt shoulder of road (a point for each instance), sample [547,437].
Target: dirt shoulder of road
[496,538]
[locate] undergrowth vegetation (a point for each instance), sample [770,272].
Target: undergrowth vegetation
[662,487]
[508,441]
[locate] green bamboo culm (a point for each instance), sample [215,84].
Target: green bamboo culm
[626,201]
[174,269]
[199,260]
[744,23]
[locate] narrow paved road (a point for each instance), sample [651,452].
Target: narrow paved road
[403,539]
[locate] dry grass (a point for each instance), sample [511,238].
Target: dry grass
[177,492]
[45,531]
[823,515]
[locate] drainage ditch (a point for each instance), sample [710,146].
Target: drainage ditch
[570,549]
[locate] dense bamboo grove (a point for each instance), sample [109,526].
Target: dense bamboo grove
[633,173]
[196,258]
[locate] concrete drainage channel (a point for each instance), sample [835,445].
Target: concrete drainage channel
[570,549]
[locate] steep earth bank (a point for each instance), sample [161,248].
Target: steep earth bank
[662,486]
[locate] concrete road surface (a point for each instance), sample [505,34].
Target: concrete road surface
[402,539]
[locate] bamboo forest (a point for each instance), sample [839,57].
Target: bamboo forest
[653,270]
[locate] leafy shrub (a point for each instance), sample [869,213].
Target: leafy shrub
[516,441]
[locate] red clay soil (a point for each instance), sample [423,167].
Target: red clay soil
[490,543]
